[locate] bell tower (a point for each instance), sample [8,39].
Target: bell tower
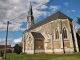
[30,18]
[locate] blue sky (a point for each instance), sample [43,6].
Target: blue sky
[10,9]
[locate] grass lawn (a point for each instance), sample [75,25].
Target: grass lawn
[13,56]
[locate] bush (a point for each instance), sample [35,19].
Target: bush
[17,49]
[1,53]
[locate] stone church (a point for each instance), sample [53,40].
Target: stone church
[53,35]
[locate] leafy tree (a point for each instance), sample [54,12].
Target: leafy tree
[78,30]
[78,20]
[17,49]
[1,53]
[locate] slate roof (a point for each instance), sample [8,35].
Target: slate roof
[57,15]
[37,35]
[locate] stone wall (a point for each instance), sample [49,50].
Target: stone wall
[51,44]
[46,31]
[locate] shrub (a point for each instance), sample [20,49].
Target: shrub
[17,49]
[1,53]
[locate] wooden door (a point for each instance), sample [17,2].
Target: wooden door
[39,44]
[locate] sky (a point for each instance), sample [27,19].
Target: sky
[15,11]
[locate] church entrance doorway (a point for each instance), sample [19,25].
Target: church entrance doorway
[39,45]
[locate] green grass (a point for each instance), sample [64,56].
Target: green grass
[13,56]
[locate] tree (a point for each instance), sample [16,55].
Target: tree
[78,20]
[17,49]
[1,53]
[78,30]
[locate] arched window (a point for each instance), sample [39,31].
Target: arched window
[56,34]
[64,33]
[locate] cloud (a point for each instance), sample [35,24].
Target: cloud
[76,28]
[43,7]
[39,13]
[54,8]
[16,1]
[73,11]
[22,29]
[10,9]
[10,41]
[12,27]
[18,40]
[2,40]
[68,10]
[41,1]
[66,4]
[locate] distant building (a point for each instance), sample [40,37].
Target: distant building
[9,48]
[54,34]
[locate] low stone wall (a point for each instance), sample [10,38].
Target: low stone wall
[39,51]
[29,51]
[0,57]
[54,51]
[48,51]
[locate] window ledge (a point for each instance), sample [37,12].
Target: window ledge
[66,39]
[56,40]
